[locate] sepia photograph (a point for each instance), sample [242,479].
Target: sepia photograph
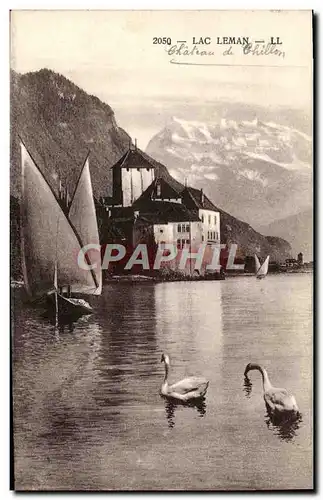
[161,250]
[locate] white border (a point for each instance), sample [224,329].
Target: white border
[316,5]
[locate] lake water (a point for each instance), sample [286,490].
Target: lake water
[87,409]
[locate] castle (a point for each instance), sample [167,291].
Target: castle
[147,208]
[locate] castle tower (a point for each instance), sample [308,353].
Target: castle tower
[132,174]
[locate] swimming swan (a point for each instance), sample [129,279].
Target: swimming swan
[277,400]
[187,389]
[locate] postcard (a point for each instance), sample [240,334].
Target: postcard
[161,222]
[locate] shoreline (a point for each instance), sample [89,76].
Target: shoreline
[137,278]
[155,279]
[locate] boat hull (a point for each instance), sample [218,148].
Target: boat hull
[68,306]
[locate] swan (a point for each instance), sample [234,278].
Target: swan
[187,389]
[277,400]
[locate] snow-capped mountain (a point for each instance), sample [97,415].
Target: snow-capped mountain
[255,169]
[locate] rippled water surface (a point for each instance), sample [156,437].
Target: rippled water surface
[87,410]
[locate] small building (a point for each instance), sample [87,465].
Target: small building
[290,263]
[196,200]
[162,222]
[185,219]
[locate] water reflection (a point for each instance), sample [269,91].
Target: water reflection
[285,427]
[189,328]
[172,405]
[87,409]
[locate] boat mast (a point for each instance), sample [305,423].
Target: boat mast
[55,279]
[56,297]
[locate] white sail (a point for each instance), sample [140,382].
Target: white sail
[82,215]
[263,270]
[257,263]
[47,237]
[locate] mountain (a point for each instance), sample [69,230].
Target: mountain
[250,241]
[257,170]
[60,123]
[297,229]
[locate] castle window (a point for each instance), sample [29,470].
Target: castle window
[179,244]
[187,228]
[202,218]
[215,219]
[179,228]
[202,237]
[147,169]
[209,219]
[161,230]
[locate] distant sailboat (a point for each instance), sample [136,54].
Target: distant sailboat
[261,270]
[51,243]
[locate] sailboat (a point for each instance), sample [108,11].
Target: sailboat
[261,270]
[51,239]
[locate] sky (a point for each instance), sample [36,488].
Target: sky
[111,54]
